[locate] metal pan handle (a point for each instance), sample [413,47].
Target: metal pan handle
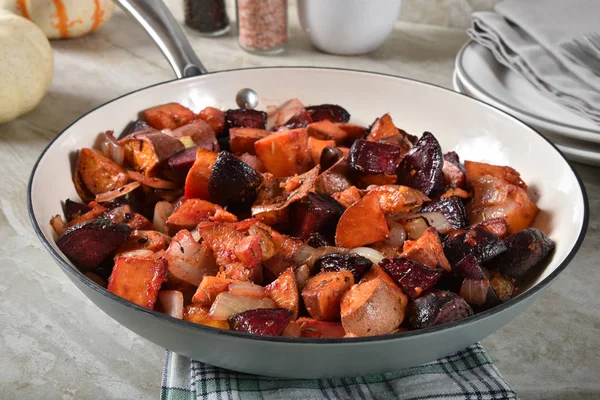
[158,22]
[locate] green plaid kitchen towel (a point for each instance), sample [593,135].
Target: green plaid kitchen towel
[466,375]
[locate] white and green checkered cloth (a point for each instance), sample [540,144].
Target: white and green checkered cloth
[466,375]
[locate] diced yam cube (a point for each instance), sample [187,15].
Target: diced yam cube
[285,153]
[138,279]
[241,140]
[362,223]
[168,116]
[316,147]
[323,292]
[427,250]
[477,170]
[199,315]
[190,213]
[284,292]
[327,130]
[213,117]
[196,182]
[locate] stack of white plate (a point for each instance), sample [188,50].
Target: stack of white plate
[479,75]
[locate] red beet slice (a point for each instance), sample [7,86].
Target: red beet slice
[452,208]
[182,162]
[233,183]
[316,213]
[332,112]
[262,321]
[435,308]
[468,268]
[525,251]
[243,118]
[354,263]
[374,158]
[413,278]
[477,241]
[74,209]
[89,243]
[421,167]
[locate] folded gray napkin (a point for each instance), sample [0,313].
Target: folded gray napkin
[525,35]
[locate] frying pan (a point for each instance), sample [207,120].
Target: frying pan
[473,129]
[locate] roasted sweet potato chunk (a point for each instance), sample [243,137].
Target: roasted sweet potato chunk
[168,116]
[316,147]
[427,250]
[421,167]
[90,243]
[353,131]
[477,170]
[138,279]
[362,223]
[144,240]
[285,153]
[323,292]
[238,255]
[241,140]
[147,152]
[284,292]
[372,308]
[209,288]
[196,182]
[199,315]
[348,196]
[313,328]
[326,130]
[189,214]
[213,117]
[398,199]
[495,198]
[96,174]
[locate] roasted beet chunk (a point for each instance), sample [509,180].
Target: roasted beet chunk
[233,183]
[316,213]
[525,250]
[354,263]
[452,157]
[90,242]
[468,267]
[436,308]
[329,156]
[181,162]
[374,158]
[262,321]
[453,209]
[74,209]
[421,167]
[332,112]
[477,241]
[243,118]
[134,126]
[413,278]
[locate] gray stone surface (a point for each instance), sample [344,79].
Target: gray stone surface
[55,344]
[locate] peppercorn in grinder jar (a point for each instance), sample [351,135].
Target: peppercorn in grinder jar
[206,17]
[262,25]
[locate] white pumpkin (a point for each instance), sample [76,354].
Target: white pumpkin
[26,65]
[63,18]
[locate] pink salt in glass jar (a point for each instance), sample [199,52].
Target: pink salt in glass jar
[262,25]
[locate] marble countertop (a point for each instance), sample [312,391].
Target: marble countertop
[54,343]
